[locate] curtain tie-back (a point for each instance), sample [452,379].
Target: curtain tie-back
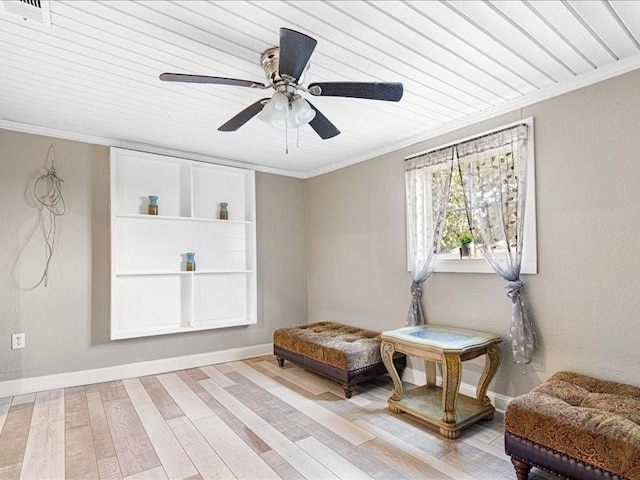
[513,288]
[416,289]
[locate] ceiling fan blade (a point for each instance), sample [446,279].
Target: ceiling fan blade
[391,92]
[244,116]
[183,77]
[322,126]
[295,50]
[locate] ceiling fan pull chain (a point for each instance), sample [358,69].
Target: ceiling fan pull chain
[298,137]
[286,138]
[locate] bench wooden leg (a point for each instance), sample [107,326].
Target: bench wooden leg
[522,469]
[280,362]
[348,390]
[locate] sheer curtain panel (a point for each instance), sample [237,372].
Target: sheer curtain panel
[493,174]
[427,180]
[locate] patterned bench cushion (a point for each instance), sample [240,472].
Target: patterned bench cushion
[595,421]
[340,346]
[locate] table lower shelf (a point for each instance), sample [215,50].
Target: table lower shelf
[426,405]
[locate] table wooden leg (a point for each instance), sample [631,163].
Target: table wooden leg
[491,364]
[451,373]
[430,369]
[387,350]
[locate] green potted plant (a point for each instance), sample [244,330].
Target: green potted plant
[465,245]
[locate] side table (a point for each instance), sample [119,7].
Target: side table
[442,407]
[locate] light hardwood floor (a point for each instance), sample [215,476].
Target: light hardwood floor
[247,420]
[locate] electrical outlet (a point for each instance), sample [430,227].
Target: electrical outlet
[17,341]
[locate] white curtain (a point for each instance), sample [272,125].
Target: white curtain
[427,179]
[493,172]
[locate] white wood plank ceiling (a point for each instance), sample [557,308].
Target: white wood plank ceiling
[95,70]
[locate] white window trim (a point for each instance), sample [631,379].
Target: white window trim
[450,262]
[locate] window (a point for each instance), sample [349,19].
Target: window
[456,226]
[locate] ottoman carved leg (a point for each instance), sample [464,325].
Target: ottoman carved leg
[348,390]
[522,469]
[280,362]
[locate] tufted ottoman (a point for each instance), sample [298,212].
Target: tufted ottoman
[577,427]
[344,354]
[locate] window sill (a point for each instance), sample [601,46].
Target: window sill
[477,265]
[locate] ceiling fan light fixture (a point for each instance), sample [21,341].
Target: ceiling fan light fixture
[279,113]
[280,101]
[302,112]
[275,112]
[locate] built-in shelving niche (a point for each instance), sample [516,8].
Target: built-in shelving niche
[151,291]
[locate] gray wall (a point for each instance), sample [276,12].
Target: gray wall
[585,300]
[67,323]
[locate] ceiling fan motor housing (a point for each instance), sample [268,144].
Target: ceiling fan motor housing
[270,61]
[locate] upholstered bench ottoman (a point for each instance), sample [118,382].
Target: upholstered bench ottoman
[347,355]
[577,427]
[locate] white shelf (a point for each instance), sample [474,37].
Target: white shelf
[138,274]
[148,331]
[216,272]
[151,291]
[190,219]
[197,272]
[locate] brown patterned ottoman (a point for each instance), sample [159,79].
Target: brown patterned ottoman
[347,355]
[577,427]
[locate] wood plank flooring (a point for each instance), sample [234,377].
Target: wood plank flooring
[246,420]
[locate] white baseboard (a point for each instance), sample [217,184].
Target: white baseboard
[417,377]
[21,386]
[10,388]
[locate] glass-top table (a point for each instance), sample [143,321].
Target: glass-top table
[442,407]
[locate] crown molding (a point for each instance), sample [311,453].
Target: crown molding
[142,147]
[580,81]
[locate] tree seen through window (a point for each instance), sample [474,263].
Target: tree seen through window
[456,224]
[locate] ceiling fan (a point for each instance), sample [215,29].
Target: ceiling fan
[284,67]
